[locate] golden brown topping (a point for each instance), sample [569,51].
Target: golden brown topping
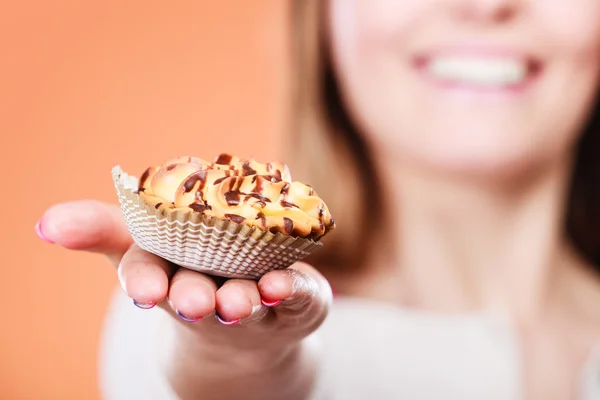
[244,191]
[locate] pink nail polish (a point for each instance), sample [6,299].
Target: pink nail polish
[40,233]
[267,304]
[143,306]
[223,322]
[187,319]
[334,293]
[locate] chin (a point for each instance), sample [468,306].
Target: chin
[487,165]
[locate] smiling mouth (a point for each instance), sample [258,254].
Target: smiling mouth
[478,72]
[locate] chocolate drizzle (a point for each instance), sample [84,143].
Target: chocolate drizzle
[171,167]
[247,169]
[199,207]
[232,198]
[263,219]
[238,219]
[258,184]
[257,196]
[287,204]
[321,211]
[224,159]
[220,180]
[143,179]
[190,182]
[157,205]
[234,183]
[262,200]
[288,225]
[274,172]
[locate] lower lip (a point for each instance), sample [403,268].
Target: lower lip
[473,89]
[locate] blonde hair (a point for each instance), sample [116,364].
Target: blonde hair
[323,148]
[326,150]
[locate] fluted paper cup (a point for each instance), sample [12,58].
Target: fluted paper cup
[206,244]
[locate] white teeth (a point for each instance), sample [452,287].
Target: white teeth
[478,71]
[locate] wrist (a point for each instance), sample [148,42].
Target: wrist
[231,357]
[191,351]
[194,364]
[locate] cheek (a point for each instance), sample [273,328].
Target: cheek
[370,46]
[571,27]
[570,31]
[368,54]
[369,28]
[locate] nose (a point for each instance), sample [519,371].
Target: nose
[486,10]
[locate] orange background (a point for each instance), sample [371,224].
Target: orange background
[85,85]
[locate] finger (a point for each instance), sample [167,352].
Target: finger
[144,277]
[239,300]
[87,225]
[298,289]
[192,295]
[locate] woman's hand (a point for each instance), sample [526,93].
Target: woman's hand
[237,325]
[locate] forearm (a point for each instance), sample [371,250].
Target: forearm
[201,370]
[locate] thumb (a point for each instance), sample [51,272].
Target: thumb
[87,225]
[300,293]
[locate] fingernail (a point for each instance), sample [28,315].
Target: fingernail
[38,230]
[272,304]
[186,319]
[143,306]
[223,322]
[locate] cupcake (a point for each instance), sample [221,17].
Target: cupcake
[233,218]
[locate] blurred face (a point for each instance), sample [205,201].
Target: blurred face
[468,85]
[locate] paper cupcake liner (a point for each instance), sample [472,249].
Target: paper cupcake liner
[206,244]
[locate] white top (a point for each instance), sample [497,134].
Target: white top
[369,350]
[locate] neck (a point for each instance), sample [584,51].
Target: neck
[463,244]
